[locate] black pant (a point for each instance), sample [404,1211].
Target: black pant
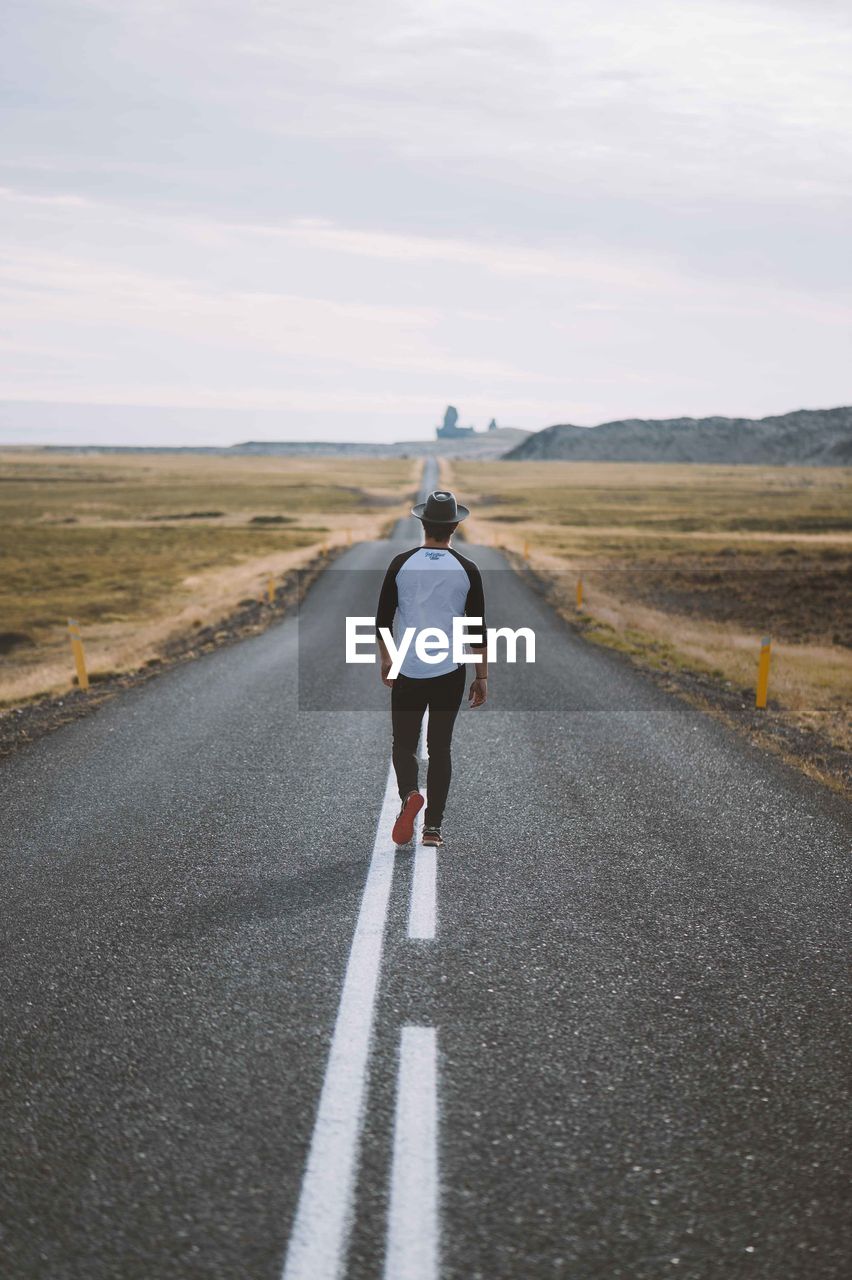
[409,699]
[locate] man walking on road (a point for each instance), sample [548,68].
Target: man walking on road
[427,587]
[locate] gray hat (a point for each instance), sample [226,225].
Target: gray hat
[440,508]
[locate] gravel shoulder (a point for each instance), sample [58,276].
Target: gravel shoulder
[809,749]
[20,726]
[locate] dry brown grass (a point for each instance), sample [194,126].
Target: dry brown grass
[687,567]
[141,547]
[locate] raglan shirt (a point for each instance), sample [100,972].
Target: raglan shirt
[429,587]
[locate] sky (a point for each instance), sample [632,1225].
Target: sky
[278,219]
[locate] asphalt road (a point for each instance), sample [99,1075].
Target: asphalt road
[635,999]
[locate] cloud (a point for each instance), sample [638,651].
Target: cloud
[573,207]
[168,321]
[725,98]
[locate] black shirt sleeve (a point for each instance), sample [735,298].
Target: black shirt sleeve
[475,603]
[388,596]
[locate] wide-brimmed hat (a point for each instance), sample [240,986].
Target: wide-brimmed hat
[440,508]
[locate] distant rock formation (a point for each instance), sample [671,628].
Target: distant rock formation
[806,437]
[492,426]
[450,430]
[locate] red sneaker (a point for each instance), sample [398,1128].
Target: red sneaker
[403,828]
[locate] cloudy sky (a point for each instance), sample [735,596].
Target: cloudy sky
[317,219]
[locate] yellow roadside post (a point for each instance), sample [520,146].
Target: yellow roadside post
[526,550]
[77,650]
[349,537]
[324,550]
[579,593]
[270,589]
[763,672]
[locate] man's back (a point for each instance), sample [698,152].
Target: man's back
[428,587]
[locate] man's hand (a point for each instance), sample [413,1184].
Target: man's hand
[478,692]
[386,666]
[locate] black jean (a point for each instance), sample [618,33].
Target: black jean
[409,699]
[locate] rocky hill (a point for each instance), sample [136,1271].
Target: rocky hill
[807,437]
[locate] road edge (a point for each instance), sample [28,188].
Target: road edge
[23,725]
[809,751]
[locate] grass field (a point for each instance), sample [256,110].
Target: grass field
[686,567]
[139,547]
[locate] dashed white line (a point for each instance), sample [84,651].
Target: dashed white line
[413,1227]
[422,909]
[423,906]
[320,1233]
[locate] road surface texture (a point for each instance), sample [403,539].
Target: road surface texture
[620,1053]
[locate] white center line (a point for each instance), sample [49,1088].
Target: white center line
[320,1234]
[413,1228]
